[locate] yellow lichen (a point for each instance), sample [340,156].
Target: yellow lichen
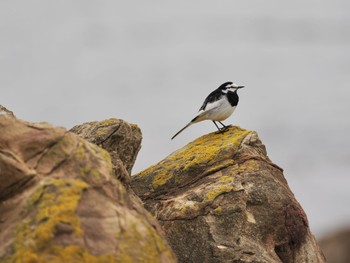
[206,151]
[226,179]
[218,210]
[53,203]
[141,243]
[106,157]
[90,158]
[80,151]
[220,166]
[211,195]
[108,122]
[58,254]
[248,165]
[188,207]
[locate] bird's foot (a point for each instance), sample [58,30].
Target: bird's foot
[223,129]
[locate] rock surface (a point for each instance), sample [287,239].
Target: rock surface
[220,199]
[6,112]
[336,246]
[60,201]
[121,139]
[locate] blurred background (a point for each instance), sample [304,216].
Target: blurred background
[153,63]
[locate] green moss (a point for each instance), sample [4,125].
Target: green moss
[53,203]
[204,152]
[211,195]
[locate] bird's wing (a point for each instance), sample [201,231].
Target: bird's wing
[209,101]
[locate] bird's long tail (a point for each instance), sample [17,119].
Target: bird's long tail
[190,123]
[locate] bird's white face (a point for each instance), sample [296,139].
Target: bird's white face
[231,87]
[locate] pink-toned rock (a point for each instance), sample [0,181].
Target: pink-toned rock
[60,201]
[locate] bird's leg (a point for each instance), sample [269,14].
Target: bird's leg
[224,127]
[217,126]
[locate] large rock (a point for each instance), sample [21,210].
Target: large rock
[221,199]
[60,201]
[336,246]
[121,139]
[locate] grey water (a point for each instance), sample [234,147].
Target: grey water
[153,63]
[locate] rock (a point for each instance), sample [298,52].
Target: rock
[123,142]
[6,112]
[336,246]
[121,139]
[221,199]
[60,201]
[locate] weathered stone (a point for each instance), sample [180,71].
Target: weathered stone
[221,199]
[336,246]
[6,112]
[121,139]
[60,201]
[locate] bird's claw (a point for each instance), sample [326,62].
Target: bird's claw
[223,129]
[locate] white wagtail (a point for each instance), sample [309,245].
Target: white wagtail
[218,106]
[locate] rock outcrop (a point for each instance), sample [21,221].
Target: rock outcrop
[336,246]
[60,200]
[218,199]
[121,139]
[221,199]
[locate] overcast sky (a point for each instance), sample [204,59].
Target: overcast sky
[153,63]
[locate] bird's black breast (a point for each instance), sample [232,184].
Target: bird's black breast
[232,98]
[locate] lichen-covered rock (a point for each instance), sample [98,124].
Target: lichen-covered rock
[220,199]
[121,139]
[60,202]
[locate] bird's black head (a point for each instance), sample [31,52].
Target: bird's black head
[229,86]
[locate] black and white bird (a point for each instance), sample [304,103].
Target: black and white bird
[218,106]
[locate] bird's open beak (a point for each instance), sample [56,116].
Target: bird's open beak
[240,87]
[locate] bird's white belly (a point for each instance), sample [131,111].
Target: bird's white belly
[218,111]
